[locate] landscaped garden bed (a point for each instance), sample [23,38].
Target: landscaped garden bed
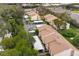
[72,35]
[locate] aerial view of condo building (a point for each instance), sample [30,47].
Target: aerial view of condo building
[39,29]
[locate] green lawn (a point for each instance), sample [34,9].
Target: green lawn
[72,35]
[75,11]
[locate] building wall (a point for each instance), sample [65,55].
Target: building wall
[67,52]
[35,17]
[1,39]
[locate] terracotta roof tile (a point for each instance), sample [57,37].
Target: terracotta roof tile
[49,17]
[33,15]
[53,39]
[56,47]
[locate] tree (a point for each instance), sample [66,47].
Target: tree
[3,29]
[19,43]
[31,40]
[59,23]
[25,48]
[16,12]
[10,52]
[37,32]
[7,43]
[75,41]
[22,33]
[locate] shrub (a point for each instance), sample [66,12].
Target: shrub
[37,32]
[76,41]
[7,43]
[68,33]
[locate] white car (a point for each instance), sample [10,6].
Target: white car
[38,22]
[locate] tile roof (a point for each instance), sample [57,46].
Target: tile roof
[53,40]
[33,15]
[49,17]
[56,47]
